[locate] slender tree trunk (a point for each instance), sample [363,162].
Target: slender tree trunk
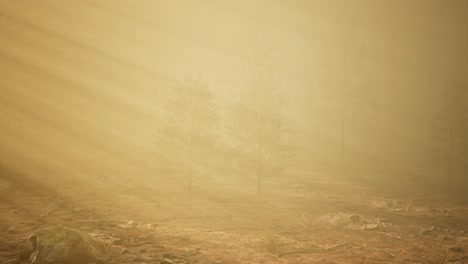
[260,145]
[191,146]
[342,154]
[259,184]
[451,155]
[259,159]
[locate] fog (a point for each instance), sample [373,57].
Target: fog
[184,102]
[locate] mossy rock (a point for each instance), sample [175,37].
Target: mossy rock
[61,245]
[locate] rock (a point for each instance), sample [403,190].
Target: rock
[374,226]
[11,230]
[218,262]
[117,242]
[462,232]
[447,212]
[77,209]
[59,245]
[453,232]
[168,255]
[353,221]
[138,259]
[132,223]
[433,228]
[142,250]
[425,232]
[124,251]
[167,261]
[443,237]
[341,219]
[24,254]
[12,261]
[455,249]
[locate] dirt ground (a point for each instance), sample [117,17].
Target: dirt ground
[312,222]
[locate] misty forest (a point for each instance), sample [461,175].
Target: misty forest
[218,131]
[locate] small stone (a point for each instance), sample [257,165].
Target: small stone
[77,209]
[452,232]
[12,261]
[462,232]
[447,212]
[131,223]
[443,237]
[455,249]
[433,228]
[166,261]
[117,242]
[374,226]
[138,259]
[142,250]
[11,230]
[424,232]
[124,251]
[218,262]
[168,255]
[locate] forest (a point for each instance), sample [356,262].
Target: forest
[193,132]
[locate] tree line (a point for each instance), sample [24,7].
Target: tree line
[254,140]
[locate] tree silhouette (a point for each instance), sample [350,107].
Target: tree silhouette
[449,143]
[188,135]
[260,132]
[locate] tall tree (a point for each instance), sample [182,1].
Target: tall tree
[260,132]
[187,137]
[449,143]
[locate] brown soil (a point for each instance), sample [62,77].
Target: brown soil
[146,222]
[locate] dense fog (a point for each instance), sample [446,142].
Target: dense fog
[234,99]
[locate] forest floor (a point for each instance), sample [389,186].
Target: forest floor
[315,222]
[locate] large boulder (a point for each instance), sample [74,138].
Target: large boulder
[60,245]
